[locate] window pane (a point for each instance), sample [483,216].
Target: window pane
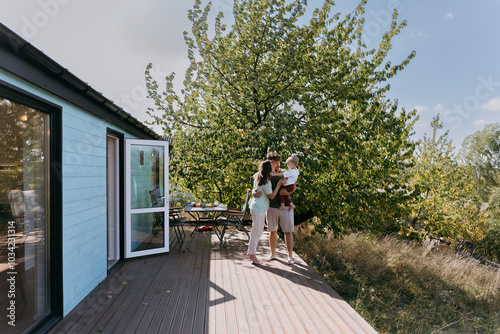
[23,215]
[147,231]
[147,184]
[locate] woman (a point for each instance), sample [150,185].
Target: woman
[259,206]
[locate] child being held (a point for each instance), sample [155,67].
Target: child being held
[291,175]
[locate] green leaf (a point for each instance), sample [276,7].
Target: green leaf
[279,81]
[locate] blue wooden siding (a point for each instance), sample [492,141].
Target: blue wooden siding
[84,196]
[84,207]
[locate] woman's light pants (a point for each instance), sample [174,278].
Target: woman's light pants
[258,220]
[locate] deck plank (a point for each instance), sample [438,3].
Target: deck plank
[98,300]
[174,312]
[125,305]
[298,317]
[241,321]
[169,267]
[249,323]
[197,293]
[230,304]
[250,274]
[165,298]
[212,290]
[213,293]
[184,320]
[201,309]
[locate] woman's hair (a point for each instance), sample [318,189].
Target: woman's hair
[264,173]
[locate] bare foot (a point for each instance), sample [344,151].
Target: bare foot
[292,206]
[291,260]
[253,258]
[282,207]
[270,258]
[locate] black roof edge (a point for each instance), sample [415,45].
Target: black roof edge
[21,48]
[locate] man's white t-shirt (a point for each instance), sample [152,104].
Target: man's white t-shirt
[291,175]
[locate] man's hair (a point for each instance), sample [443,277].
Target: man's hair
[294,159]
[273,156]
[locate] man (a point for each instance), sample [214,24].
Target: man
[275,216]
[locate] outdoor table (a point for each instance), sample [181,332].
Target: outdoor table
[213,211]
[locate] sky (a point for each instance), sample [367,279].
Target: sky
[109,43]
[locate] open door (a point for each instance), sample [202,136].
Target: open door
[146,197]
[113,196]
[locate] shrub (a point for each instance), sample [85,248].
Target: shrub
[401,287]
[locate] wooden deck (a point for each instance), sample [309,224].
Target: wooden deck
[211,290]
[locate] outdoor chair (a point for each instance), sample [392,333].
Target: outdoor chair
[158,219]
[22,204]
[174,221]
[234,217]
[177,223]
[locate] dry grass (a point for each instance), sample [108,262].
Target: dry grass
[401,287]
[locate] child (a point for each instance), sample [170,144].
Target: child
[291,176]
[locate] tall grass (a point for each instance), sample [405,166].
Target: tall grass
[402,287]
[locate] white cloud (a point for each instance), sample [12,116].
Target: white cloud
[417,33]
[449,15]
[420,108]
[491,105]
[438,107]
[480,122]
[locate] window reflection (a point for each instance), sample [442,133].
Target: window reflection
[23,210]
[147,184]
[147,231]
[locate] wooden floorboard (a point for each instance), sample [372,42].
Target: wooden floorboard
[212,290]
[166,296]
[173,311]
[169,266]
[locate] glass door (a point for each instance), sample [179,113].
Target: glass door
[146,197]
[25,251]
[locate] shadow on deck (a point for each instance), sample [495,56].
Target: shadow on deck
[208,289]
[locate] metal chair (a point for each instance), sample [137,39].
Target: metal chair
[177,223]
[233,217]
[22,205]
[174,221]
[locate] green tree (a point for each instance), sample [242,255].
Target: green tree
[449,205]
[275,82]
[481,152]
[22,150]
[491,243]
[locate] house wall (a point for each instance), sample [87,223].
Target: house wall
[84,196]
[84,204]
